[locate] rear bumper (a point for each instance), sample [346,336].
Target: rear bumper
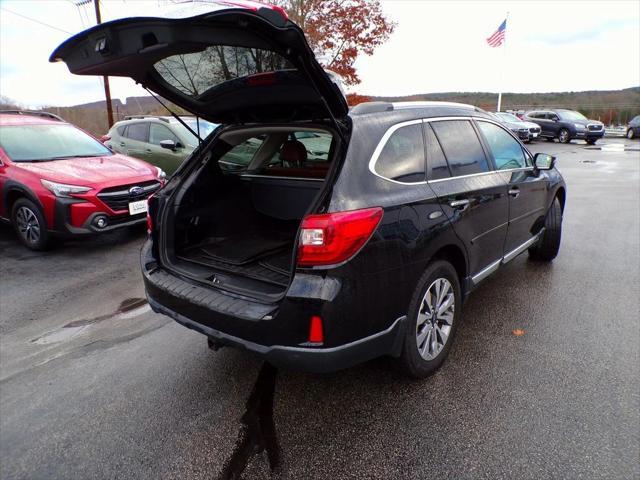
[274,332]
[314,360]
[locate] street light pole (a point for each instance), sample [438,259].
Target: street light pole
[107,90]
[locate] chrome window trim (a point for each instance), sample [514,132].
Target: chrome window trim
[383,142]
[393,128]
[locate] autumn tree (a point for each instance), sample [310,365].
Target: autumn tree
[340,30]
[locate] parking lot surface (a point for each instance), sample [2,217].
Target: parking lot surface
[95,385]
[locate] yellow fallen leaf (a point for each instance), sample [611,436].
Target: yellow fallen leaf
[518,332]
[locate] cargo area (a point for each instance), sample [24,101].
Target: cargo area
[236,220]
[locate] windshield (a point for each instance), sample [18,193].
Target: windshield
[33,143]
[205,129]
[508,117]
[569,115]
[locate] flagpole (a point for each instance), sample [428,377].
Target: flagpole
[504,47]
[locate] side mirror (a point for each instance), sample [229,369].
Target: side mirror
[543,161]
[169,144]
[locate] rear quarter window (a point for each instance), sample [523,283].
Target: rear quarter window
[461,147]
[402,157]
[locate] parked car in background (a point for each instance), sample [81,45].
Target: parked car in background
[566,125]
[160,140]
[516,123]
[633,127]
[56,179]
[367,248]
[517,127]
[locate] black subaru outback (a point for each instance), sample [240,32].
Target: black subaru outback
[312,236]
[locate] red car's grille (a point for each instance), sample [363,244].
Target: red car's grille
[118,198]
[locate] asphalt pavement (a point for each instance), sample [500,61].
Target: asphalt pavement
[95,385]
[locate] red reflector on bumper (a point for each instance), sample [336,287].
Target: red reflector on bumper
[316,335]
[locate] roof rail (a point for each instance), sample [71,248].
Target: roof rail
[140,117]
[376,107]
[32,112]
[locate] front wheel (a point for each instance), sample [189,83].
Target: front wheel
[549,243]
[30,225]
[434,314]
[565,136]
[631,134]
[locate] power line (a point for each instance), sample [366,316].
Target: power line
[36,21]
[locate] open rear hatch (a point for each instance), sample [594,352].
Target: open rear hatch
[240,62]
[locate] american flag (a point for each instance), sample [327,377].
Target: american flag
[497,38]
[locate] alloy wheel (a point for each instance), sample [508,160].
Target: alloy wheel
[435,318]
[564,136]
[630,133]
[28,224]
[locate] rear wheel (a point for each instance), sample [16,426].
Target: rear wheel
[549,244]
[30,225]
[631,134]
[434,314]
[564,136]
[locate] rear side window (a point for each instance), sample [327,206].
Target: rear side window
[137,131]
[461,146]
[241,155]
[437,167]
[402,157]
[507,152]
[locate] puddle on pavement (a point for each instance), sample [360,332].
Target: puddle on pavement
[59,335]
[257,431]
[129,308]
[614,147]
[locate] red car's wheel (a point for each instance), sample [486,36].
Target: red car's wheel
[30,224]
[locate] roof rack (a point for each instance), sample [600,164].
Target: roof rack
[140,117]
[32,112]
[376,107]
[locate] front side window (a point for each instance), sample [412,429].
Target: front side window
[157,133]
[402,157]
[38,143]
[137,131]
[507,152]
[461,146]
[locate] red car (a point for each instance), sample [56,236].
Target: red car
[56,179]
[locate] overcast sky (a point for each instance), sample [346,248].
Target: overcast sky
[437,46]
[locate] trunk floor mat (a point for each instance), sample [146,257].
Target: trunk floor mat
[280,263]
[252,270]
[243,250]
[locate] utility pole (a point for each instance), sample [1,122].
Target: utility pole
[107,90]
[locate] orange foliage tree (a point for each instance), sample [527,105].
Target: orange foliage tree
[340,30]
[354,99]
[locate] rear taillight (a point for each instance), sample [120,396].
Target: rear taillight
[333,238]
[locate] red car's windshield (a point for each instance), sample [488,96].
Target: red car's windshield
[40,143]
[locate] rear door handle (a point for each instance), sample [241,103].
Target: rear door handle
[459,203]
[514,192]
[122,144]
[148,150]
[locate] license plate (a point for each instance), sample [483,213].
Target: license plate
[138,207]
[535,135]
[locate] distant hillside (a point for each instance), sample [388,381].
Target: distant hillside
[617,106]
[607,105]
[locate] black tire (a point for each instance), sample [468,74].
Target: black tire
[564,136]
[549,244]
[592,141]
[631,134]
[412,362]
[30,224]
